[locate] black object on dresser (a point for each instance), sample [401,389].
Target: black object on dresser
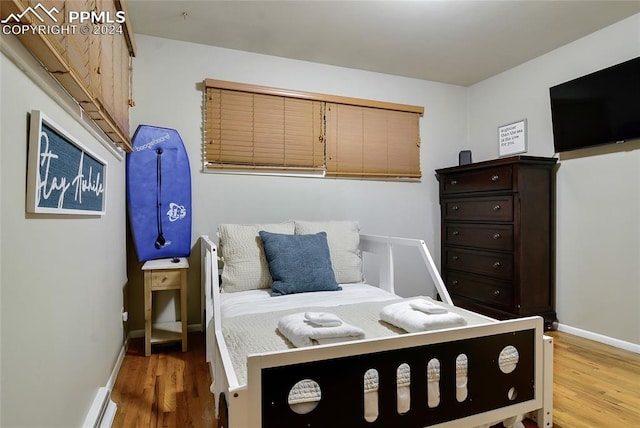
[498,236]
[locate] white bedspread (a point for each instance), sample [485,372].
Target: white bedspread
[255,329]
[250,326]
[261,301]
[257,333]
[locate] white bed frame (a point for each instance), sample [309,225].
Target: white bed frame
[247,406]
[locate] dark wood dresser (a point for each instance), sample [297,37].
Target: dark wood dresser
[498,236]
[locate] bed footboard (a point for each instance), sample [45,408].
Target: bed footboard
[339,371]
[490,396]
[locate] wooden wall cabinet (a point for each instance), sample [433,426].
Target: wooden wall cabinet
[90,59]
[498,236]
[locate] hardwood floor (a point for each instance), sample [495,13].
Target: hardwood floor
[167,389]
[595,386]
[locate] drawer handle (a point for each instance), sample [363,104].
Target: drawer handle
[455,208]
[495,178]
[454,282]
[165,278]
[496,236]
[455,233]
[496,265]
[496,292]
[496,207]
[454,182]
[456,258]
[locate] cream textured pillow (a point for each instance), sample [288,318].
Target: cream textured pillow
[245,266]
[344,239]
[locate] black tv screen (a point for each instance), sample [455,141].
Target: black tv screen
[599,108]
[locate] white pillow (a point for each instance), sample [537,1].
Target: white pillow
[245,266]
[343,238]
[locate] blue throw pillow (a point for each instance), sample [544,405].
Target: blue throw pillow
[298,263]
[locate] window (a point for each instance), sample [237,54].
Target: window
[249,130]
[372,142]
[250,127]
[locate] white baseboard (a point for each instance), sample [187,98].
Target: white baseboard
[117,365]
[627,346]
[103,409]
[134,334]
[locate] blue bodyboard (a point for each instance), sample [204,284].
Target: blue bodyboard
[159,194]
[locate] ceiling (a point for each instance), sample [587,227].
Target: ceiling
[456,42]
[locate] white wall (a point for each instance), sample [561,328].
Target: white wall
[598,279]
[62,277]
[168,92]
[598,190]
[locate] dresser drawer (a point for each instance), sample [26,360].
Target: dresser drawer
[494,208]
[496,178]
[488,236]
[485,290]
[165,279]
[499,265]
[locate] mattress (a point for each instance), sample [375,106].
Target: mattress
[261,301]
[250,318]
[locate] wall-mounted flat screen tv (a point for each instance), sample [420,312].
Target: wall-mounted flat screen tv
[599,108]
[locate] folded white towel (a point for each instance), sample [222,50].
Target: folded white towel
[323,319]
[301,332]
[427,307]
[404,316]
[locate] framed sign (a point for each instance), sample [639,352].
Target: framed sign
[512,138]
[63,176]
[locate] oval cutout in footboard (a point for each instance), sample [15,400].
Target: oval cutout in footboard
[304,396]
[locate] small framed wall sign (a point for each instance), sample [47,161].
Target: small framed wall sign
[512,138]
[63,176]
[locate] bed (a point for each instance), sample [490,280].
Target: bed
[474,374]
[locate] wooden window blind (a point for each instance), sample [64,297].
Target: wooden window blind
[91,61]
[255,127]
[372,142]
[247,130]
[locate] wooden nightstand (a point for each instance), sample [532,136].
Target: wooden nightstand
[164,274]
